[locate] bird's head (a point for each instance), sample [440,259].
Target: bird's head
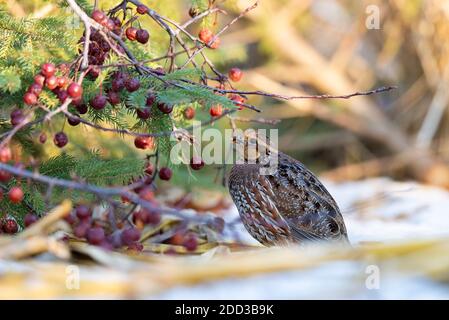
[252,146]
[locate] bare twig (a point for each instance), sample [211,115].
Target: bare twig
[102,192]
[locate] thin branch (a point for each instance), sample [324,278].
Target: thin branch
[102,192]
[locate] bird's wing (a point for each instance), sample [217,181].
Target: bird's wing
[304,203]
[269,212]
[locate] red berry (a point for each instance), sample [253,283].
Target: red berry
[216,110]
[75,90]
[39,79]
[110,24]
[115,239]
[189,113]
[83,212]
[17,117]
[81,108]
[42,137]
[5,154]
[73,121]
[51,82]
[113,98]
[205,35]
[165,173]
[154,218]
[48,69]
[62,81]
[70,219]
[146,194]
[29,219]
[62,95]
[150,100]
[117,22]
[165,108]
[10,226]
[30,98]
[15,195]
[238,100]
[35,88]
[140,216]
[130,236]
[215,43]
[98,16]
[196,163]
[178,238]
[142,36]
[125,199]
[190,243]
[80,230]
[60,139]
[149,169]
[132,84]
[95,235]
[235,74]
[118,84]
[144,142]
[120,75]
[94,72]
[5,176]
[142,9]
[104,22]
[143,113]
[131,33]
[98,102]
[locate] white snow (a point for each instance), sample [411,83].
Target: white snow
[378,210]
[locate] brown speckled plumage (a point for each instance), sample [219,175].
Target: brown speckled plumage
[290,206]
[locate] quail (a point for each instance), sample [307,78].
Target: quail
[288,206]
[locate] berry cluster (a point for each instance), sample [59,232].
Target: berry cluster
[57,80]
[72,81]
[97,232]
[15,194]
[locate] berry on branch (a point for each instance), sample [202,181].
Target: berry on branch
[144,142]
[189,113]
[142,36]
[196,163]
[75,90]
[216,110]
[205,35]
[165,173]
[235,74]
[98,102]
[141,9]
[48,69]
[15,195]
[131,33]
[60,139]
[165,108]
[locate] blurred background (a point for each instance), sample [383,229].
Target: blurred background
[324,46]
[299,47]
